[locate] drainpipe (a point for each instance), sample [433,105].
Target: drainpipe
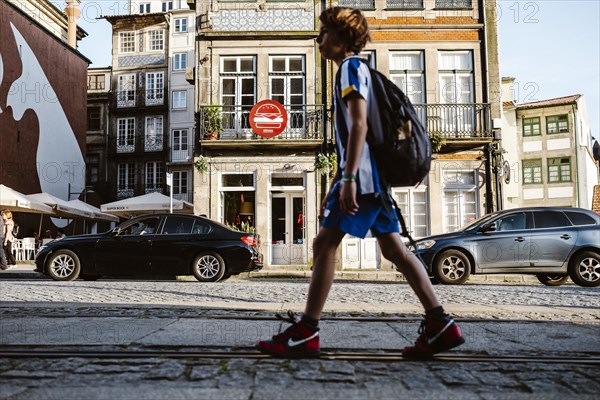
[577,183]
[489,190]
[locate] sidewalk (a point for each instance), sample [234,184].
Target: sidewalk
[26,271]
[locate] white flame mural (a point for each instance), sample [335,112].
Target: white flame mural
[60,164]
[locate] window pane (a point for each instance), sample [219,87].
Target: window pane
[236,180]
[578,218]
[229,65]
[278,64]
[550,219]
[296,65]
[178,225]
[247,65]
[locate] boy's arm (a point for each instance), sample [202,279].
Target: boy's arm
[357,109]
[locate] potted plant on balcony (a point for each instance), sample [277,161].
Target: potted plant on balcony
[213,121]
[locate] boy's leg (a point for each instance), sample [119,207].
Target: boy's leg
[394,250]
[301,339]
[325,246]
[438,331]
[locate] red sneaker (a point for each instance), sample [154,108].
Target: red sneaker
[437,334]
[297,341]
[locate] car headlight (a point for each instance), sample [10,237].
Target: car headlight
[39,250]
[425,244]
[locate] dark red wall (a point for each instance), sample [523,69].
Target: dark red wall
[66,71]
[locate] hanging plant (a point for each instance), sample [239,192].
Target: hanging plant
[437,141]
[333,163]
[201,164]
[326,165]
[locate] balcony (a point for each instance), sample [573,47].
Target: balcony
[181,156]
[184,196]
[133,144]
[457,121]
[453,4]
[305,125]
[139,98]
[360,4]
[404,4]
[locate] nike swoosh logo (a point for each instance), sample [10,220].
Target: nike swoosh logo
[293,343]
[433,339]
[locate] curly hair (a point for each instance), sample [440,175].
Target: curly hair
[349,24]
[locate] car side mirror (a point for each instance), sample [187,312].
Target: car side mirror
[487,228]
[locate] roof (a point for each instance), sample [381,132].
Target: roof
[509,104]
[114,18]
[559,101]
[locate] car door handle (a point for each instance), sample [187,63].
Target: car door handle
[519,239]
[566,237]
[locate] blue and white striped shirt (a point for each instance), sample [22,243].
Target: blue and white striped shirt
[356,77]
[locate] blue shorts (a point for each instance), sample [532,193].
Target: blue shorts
[375,213]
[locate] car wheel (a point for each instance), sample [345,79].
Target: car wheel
[552,280]
[452,267]
[63,265]
[208,267]
[584,269]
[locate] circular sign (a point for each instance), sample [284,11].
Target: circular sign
[506,172]
[268,118]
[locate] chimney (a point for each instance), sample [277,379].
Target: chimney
[73,14]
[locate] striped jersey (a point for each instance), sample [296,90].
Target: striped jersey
[355,76]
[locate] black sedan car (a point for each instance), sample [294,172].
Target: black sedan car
[157,244]
[551,243]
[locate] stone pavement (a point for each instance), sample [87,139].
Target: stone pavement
[519,319]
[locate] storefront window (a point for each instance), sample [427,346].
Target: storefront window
[238,196]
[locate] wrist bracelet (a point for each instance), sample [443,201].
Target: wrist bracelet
[348,178]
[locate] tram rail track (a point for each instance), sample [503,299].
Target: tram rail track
[333,355]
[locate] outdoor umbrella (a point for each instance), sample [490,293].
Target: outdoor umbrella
[61,207]
[18,202]
[146,204]
[98,215]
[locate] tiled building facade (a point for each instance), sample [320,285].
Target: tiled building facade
[443,54]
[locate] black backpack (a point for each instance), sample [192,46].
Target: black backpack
[404,156]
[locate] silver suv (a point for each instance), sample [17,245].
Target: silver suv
[550,243]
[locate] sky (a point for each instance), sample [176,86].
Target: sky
[551,47]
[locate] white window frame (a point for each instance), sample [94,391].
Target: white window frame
[223,189]
[236,115]
[130,42]
[155,85]
[156,40]
[167,6]
[181,139]
[296,110]
[179,61]
[125,176]
[125,135]
[154,177]
[406,77]
[179,99]
[463,217]
[179,177]
[181,25]
[459,71]
[408,209]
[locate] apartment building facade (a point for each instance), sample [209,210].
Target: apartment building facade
[442,53]
[549,149]
[137,150]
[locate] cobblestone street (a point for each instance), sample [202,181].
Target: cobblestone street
[497,318]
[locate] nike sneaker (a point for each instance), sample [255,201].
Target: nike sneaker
[297,341]
[436,334]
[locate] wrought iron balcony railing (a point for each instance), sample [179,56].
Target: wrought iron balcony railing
[139,98]
[404,4]
[453,4]
[305,121]
[133,143]
[457,121]
[361,4]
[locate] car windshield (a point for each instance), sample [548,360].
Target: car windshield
[480,221]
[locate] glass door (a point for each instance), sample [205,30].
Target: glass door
[288,241]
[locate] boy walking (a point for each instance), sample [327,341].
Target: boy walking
[357,202]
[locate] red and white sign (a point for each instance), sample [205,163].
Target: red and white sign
[268,118]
